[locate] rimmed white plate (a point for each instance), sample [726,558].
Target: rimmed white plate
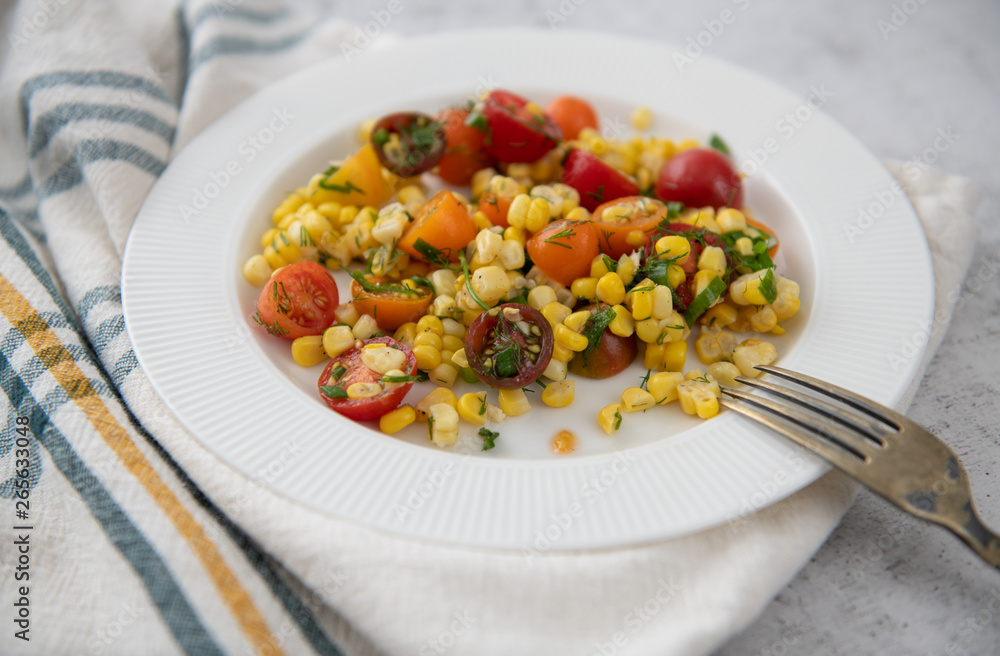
[866,292]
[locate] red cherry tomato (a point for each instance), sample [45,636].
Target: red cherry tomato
[464,153]
[612,355]
[299,300]
[355,371]
[516,133]
[700,177]
[572,114]
[408,144]
[595,181]
[509,345]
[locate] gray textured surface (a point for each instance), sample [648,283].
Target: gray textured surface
[883,583]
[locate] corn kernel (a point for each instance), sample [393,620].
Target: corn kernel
[611,289]
[513,401]
[537,216]
[459,358]
[561,353]
[443,422]
[578,214]
[697,398]
[434,397]
[577,320]
[511,233]
[308,350]
[764,320]
[653,357]
[427,338]
[730,219]
[626,268]
[559,394]
[745,290]
[663,386]
[554,311]
[571,340]
[472,408]
[365,327]
[623,324]
[257,271]
[785,306]
[411,194]
[598,267]
[642,118]
[676,275]
[381,358]
[396,420]
[585,288]
[663,302]
[753,352]
[363,390]
[634,399]
[713,259]
[406,333]
[445,374]
[491,284]
[427,356]
[517,213]
[675,355]
[673,246]
[720,315]
[511,254]
[556,370]
[540,296]
[725,373]
[610,418]
[648,330]
[337,339]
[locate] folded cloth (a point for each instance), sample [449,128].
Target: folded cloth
[137,539]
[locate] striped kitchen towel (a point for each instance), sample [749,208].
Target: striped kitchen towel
[121,534]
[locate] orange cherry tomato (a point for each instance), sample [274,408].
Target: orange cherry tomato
[495,202]
[444,223]
[754,223]
[626,224]
[563,250]
[464,154]
[572,114]
[388,303]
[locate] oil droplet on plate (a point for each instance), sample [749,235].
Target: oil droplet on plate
[564,442]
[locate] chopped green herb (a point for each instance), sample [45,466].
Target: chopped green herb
[609,263]
[704,300]
[382,287]
[343,189]
[477,119]
[554,239]
[593,330]
[334,391]
[768,288]
[482,407]
[399,379]
[380,137]
[489,438]
[717,143]
[434,256]
[618,419]
[468,283]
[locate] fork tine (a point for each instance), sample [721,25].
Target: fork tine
[856,401]
[834,455]
[842,437]
[875,431]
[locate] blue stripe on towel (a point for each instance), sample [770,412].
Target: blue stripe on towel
[48,124]
[95,150]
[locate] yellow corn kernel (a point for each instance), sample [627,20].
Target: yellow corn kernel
[720,316]
[452,343]
[786,306]
[337,339]
[585,288]
[745,290]
[291,203]
[427,356]
[434,397]
[511,233]
[559,394]
[540,296]
[275,260]
[653,356]
[347,214]
[676,275]
[610,418]
[778,330]
[673,246]
[481,181]
[648,330]
[786,286]
[764,320]
[459,358]
[713,259]
[453,328]
[517,214]
[445,374]
[675,355]
[753,352]
[381,358]
[537,216]
[725,373]
[626,267]
[443,424]
[744,245]
[257,271]
[430,324]
[571,340]
[472,408]
[554,311]
[365,327]
[642,118]
[578,214]
[491,284]
[702,279]
[696,398]
[663,386]
[363,390]
[511,254]
[488,245]
[708,349]
[598,267]
[623,324]
[634,399]
[556,369]
[268,236]
[561,353]
[513,401]
[308,351]
[611,289]
[406,333]
[411,194]
[577,320]
[427,338]
[663,302]
[397,420]
[730,219]
[330,210]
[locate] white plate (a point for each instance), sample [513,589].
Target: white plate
[187,307]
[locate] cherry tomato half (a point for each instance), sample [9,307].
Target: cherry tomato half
[509,345]
[612,355]
[626,224]
[299,300]
[464,153]
[353,371]
[572,114]
[563,250]
[389,303]
[408,143]
[700,177]
[517,134]
[443,222]
[596,181]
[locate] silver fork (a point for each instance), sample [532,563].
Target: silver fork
[879,447]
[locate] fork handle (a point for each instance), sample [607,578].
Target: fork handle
[982,540]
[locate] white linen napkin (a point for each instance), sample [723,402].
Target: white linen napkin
[191,556]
